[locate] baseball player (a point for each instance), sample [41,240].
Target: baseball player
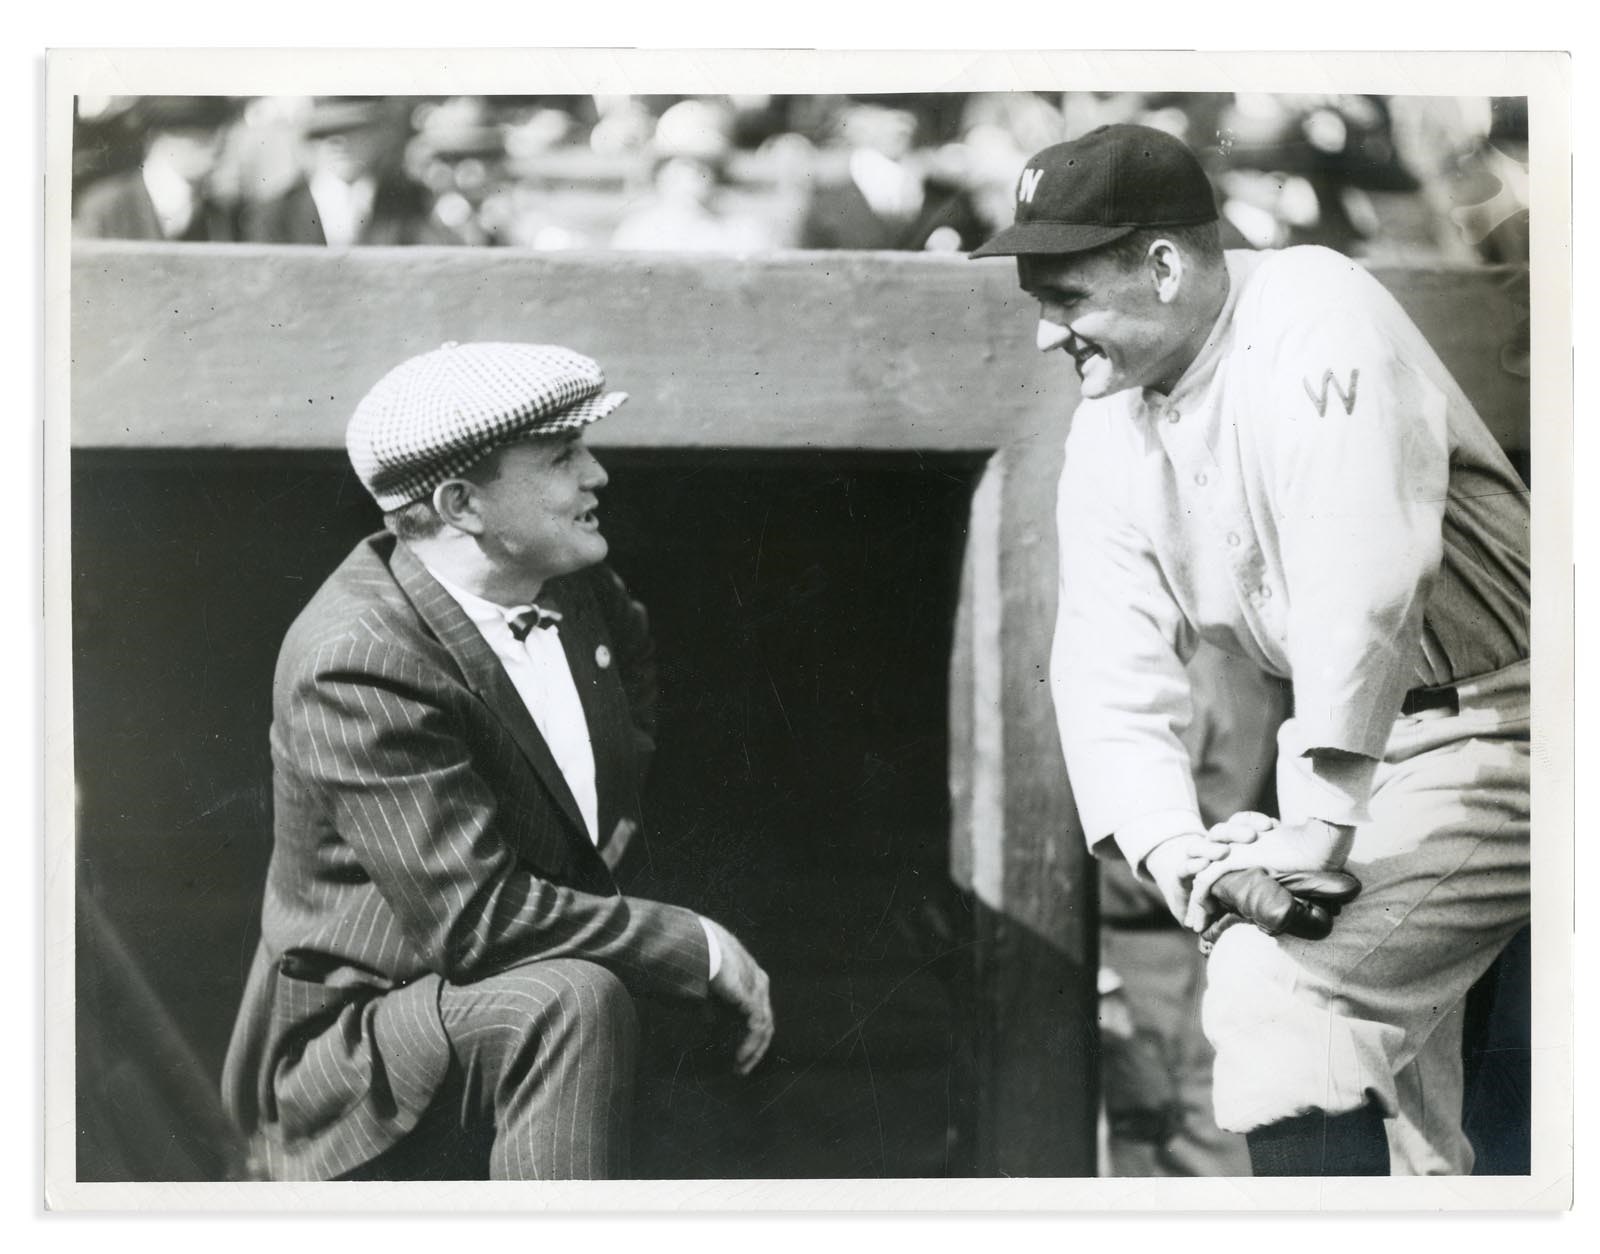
[1269,456]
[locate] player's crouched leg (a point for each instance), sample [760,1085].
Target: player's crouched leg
[1307,1085]
[547,1052]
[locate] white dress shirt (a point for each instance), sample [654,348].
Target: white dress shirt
[342,208]
[892,190]
[538,669]
[172,196]
[1315,495]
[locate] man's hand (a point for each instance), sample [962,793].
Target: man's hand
[1310,846]
[743,985]
[1174,863]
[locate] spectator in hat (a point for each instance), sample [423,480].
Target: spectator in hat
[353,189]
[462,717]
[692,144]
[168,197]
[1302,169]
[459,154]
[884,199]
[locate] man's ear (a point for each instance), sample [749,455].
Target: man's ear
[1167,265]
[456,503]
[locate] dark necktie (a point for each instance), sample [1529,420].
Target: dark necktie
[534,616]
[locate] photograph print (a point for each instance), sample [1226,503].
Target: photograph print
[884,634]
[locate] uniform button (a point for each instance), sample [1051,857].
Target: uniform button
[1233,539]
[1200,478]
[1173,415]
[1265,594]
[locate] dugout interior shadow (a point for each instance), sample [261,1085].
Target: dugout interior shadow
[802,606]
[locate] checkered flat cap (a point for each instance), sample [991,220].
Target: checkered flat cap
[432,417]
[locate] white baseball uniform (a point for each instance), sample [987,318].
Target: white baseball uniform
[1316,495]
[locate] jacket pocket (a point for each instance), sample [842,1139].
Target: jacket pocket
[321,1050]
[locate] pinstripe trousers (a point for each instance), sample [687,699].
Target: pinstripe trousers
[540,1084]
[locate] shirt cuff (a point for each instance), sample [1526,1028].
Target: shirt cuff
[1138,838]
[711,945]
[1337,787]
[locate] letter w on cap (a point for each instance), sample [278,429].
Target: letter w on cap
[1029,185]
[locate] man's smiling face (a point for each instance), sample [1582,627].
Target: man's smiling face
[538,505]
[1106,315]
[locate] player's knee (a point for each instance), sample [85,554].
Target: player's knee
[1243,962]
[1244,993]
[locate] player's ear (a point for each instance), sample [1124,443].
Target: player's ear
[1166,264]
[456,502]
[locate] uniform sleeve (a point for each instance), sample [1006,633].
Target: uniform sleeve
[1117,674]
[1361,470]
[371,731]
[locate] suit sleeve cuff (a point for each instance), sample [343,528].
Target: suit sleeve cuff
[712,947]
[1137,838]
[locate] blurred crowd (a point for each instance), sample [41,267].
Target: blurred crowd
[1385,178]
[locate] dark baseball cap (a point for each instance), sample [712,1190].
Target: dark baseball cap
[1109,183]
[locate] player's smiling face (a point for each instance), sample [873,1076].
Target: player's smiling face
[1107,316]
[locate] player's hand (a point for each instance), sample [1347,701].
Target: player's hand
[1297,903]
[1310,846]
[743,985]
[1174,863]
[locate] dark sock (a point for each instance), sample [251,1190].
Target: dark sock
[1320,1144]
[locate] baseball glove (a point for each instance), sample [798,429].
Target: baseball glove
[1298,903]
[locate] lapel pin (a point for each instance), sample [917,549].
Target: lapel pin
[602,657]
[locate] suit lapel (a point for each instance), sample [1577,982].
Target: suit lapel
[582,639]
[485,676]
[303,224]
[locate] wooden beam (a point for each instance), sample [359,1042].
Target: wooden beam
[234,347]
[1015,839]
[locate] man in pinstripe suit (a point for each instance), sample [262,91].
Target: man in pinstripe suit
[461,719]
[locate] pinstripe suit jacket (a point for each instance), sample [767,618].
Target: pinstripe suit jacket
[423,833]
